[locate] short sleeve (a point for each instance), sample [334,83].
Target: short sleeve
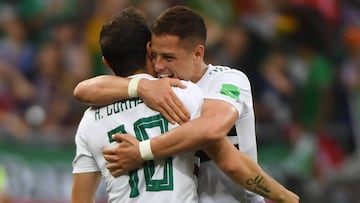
[233,87]
[84,161]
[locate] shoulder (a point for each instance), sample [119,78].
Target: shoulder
[191,89]
[218,71]
[90,111]
[192,95]
[227,74]
[191,86]
[88,116]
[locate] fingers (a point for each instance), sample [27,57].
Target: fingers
[170,114]
[115,170]
[175,113]
[117,137]
[113,165]
[176,83]
[108,151]
[164,113]
[125,139]
[109,157]
[160,96]
[174,110]
[117,173]
[122,157]
[180,109]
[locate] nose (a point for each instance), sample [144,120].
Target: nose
[158,64]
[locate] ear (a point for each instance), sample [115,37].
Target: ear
[199,52]
[107,65]
[148,48]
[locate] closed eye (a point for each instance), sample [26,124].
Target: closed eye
[168,57]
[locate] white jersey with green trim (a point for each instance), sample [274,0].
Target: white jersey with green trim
[165,180]
[233,86]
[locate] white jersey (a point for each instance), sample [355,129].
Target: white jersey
[165,180]
[232,86]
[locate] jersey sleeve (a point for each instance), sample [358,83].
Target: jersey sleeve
[83,161]
[233,87]
[192,97]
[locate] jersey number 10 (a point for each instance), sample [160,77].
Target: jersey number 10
[167,182]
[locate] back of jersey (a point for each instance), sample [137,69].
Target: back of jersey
[170,179]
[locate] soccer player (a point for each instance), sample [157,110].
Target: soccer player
[171,179]
[177,49]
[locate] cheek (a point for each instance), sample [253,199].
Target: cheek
[172,65]
[181,70]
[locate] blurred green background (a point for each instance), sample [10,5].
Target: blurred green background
[302,58]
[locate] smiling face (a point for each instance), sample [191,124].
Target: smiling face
[170,57]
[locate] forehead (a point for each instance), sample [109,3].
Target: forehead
[166,44]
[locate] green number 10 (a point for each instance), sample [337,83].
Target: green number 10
[167,182]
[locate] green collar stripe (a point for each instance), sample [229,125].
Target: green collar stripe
[230,90]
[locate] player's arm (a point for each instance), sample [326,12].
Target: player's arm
[212,125]
[84,187]
[157,94]
[243,170]
[102,90]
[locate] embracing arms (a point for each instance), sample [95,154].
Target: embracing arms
[157,94]
[235,164]
[207,132]
[243,170]
[102,90]
[211,126]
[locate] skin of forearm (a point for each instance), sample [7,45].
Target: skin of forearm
[84,187]
[102,90]
[186,138]
[211,126]
[243,170]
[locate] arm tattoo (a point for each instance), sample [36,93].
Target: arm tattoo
[259,185]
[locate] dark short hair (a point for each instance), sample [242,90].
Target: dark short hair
[123,42]
[182,22]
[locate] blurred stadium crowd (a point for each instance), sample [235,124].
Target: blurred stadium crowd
[301,56]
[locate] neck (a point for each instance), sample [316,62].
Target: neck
[200,72]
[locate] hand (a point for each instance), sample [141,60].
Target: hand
[158,95]
[124,157]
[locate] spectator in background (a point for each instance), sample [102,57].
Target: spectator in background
[103,10]
[53,88]
[152,8]
[314,151]
[262,19]
[35,81]
[350,77]
[16,70]
[76,61]
[232,47]
[275,103]
[74,53]
[15,48]
[14,90]
[239,47]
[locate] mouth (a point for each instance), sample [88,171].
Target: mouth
[165,75]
